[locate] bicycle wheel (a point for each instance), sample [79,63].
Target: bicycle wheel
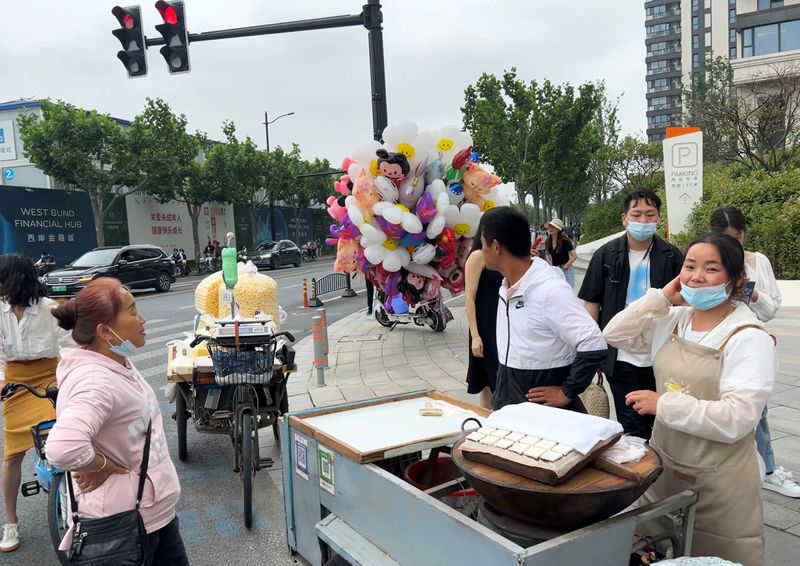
[181,417]
[246,468]
[57,510]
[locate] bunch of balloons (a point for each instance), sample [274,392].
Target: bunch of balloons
[407,212]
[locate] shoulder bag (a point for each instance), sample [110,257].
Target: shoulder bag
[118,540]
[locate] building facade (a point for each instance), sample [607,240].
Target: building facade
[680,34]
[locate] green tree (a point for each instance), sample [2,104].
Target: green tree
[82,149]
[535,135]
[636,164]
[602,167]
[172,161]
[310,188]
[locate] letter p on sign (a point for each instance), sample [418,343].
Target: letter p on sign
[684,155]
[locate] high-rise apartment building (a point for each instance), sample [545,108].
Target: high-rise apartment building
[679,34]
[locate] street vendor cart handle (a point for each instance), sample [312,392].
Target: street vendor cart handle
[464,424]
[200,338]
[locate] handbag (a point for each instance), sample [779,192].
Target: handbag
[595,398]
[118,540]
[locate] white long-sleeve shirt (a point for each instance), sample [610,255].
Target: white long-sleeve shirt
[748,366]
[36,335]
[769,295]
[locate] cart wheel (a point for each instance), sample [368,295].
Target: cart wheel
[181,416]
[57,511]
[276,433]
[437,321]
[383,317]
[246,468]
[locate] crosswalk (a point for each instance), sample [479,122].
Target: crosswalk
[151,360]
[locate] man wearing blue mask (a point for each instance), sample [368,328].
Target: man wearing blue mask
[619,273]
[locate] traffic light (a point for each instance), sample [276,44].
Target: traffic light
[176,38]
[131,36]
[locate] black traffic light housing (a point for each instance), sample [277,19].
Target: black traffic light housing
[176,37]
[131,36]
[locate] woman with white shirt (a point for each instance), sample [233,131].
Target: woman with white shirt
[764,302]
[714,366]
[29,345]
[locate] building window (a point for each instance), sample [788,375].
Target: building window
[790,35]
[732,16]
[695,42]
[747,42]
[767,39]
[695,5]
[732,53]
[732,2]
[695,23]
[695,60]
[732,36]
[768,4]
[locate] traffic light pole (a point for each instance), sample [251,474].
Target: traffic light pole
[371,18]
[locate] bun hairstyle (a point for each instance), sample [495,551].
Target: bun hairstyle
[98,303]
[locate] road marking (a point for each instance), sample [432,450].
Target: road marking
[156,320]
[450,300]
[159,329]
[341,297]
[187,307]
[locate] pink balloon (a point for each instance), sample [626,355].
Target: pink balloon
[346,163]
[334,210]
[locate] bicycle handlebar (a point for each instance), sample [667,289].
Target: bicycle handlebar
[10,389]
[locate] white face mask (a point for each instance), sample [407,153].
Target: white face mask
[125,349]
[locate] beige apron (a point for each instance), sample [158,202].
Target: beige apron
[729,520]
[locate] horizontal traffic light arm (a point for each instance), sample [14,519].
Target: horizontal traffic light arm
[270,29]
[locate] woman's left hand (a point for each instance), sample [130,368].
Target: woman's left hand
[644,401]
[89,481]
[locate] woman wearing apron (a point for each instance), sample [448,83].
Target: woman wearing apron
[714,366]
[29,344]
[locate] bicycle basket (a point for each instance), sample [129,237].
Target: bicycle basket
[40,432]
[245,364]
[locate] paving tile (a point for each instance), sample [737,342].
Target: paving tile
[787,452]
[356,393]
[382,389]
[780,517]
[785,419]
[323,396]
[375,377]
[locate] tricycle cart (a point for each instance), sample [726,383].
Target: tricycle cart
[243,392]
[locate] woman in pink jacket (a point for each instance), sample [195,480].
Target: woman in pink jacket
[104,407]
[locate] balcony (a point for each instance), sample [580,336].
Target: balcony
[657,15]
[661,70]
[663,88]
[666,51]
[663,106]
[671,31]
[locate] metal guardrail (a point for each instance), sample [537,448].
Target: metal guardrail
[329,284]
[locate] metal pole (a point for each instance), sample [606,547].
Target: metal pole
[373,18]
[305,293]
[324,316]
[271,195]
[319,355]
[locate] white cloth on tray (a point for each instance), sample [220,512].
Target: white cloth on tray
[580,431]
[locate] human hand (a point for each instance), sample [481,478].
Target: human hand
[644,402]
[89,481]
[477,346]
[672,291]
[549,396]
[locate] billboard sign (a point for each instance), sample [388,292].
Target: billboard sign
[683,175]
[53,220]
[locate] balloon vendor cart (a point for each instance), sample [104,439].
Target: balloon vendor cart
[407,214]
[372,483]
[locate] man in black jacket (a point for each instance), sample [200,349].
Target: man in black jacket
[621,272]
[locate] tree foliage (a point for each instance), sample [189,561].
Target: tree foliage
[82,149]
[536,135]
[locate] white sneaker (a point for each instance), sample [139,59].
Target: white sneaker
[10,537]
[782,481]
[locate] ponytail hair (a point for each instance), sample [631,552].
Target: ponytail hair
[98,303]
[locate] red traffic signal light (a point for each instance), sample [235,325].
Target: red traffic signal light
[176,37]
[131,36]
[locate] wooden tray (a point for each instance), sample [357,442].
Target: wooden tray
[418,443]
[541,474]
[598,491]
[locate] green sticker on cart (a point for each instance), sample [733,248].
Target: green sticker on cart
[326,472]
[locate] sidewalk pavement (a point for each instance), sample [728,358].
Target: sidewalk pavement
[368,361]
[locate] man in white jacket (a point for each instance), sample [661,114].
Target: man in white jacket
[548,346]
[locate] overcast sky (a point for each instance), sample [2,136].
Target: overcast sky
[63,49]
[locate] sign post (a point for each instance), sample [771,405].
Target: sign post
[683,175]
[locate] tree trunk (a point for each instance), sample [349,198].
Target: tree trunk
[96,199]
[194,215]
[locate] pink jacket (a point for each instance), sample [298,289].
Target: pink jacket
[105,407]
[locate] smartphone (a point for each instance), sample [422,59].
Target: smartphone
[748,291]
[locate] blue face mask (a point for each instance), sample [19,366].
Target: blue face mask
[704,298]
[640,231]
[126,349]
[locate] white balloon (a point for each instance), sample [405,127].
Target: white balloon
[435,227]
[375,254]
[355,169]
[381,207]
[386,188]
[411,223]
[424,253]
[392,262]
[437,188]
[393,215]
[371,236]
[422,270]
[452,215]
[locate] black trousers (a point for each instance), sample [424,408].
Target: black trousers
[626,378]
[370,295]
[165,547]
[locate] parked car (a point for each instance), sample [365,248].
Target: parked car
[136,266]
[273,255]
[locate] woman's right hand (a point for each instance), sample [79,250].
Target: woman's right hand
[89,481]
[477,347]
[672,291]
